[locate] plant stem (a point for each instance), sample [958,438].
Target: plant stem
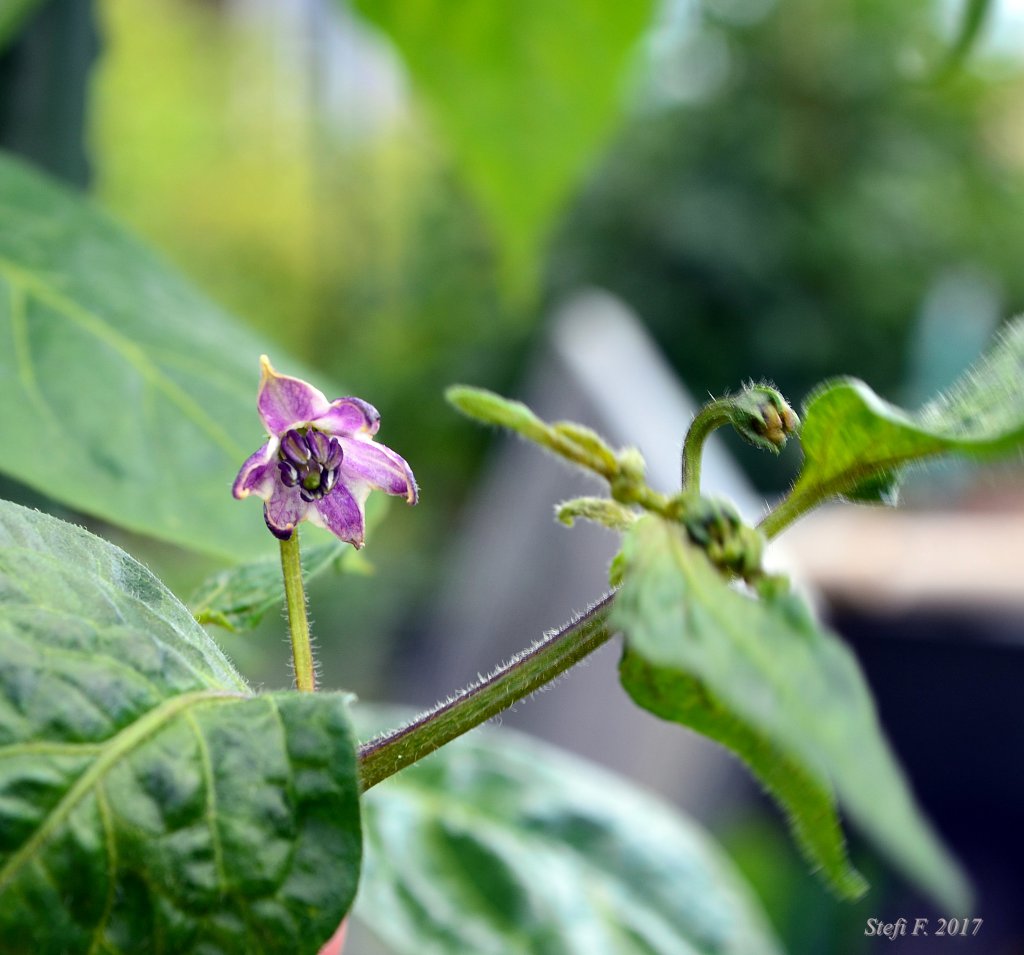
[789,509]
[298,622]
[521,676]
[709,418]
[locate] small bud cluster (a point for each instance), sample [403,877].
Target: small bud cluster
[730,544]
[759,413]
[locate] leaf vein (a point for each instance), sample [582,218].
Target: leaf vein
[47,748]
[211,800]
[110,842]
[117,747]
[129,351]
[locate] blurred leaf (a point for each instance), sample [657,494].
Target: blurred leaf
[13,14]
[149,801]
[855,444]
[499,844]
[135,397]
[763,678]
[525,92]
[975,13]
[238,598]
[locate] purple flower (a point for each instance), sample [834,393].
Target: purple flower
[321,461]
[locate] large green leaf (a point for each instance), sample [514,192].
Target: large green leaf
[855,444]
[149,802]
[525,93]
[124,393]
[763,678]
[499,845]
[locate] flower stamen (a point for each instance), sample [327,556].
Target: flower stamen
[309,462]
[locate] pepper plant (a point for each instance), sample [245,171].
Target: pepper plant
[152,801]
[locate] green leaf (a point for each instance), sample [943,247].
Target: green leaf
[856,445]
[135,398]
[764,679]
[148,800]
[499,844]
[238,598]
[525,93]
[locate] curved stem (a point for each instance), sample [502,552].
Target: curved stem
[298,622]
[557,652]
[709,418]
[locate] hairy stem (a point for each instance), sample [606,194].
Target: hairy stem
[709,418]
[788,510]
[298,622]
[521,676]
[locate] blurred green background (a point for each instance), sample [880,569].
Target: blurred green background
[399,194]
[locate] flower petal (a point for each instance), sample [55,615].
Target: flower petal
[257,474]
[349,416]
[286,402]
[341,512]
[284,510]
[378,465]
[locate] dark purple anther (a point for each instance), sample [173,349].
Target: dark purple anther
[319,445]
[289,473]
[294,448]
[333,461]
[310,462]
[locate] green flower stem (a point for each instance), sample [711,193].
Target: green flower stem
[557,652]
[711,417]
[298,622]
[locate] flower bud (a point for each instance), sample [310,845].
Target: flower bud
[762,417]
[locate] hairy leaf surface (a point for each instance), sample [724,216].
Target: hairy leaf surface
[525,93]
[764,679]
[855,444]
[148,800]
[499,845]
[124,393]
